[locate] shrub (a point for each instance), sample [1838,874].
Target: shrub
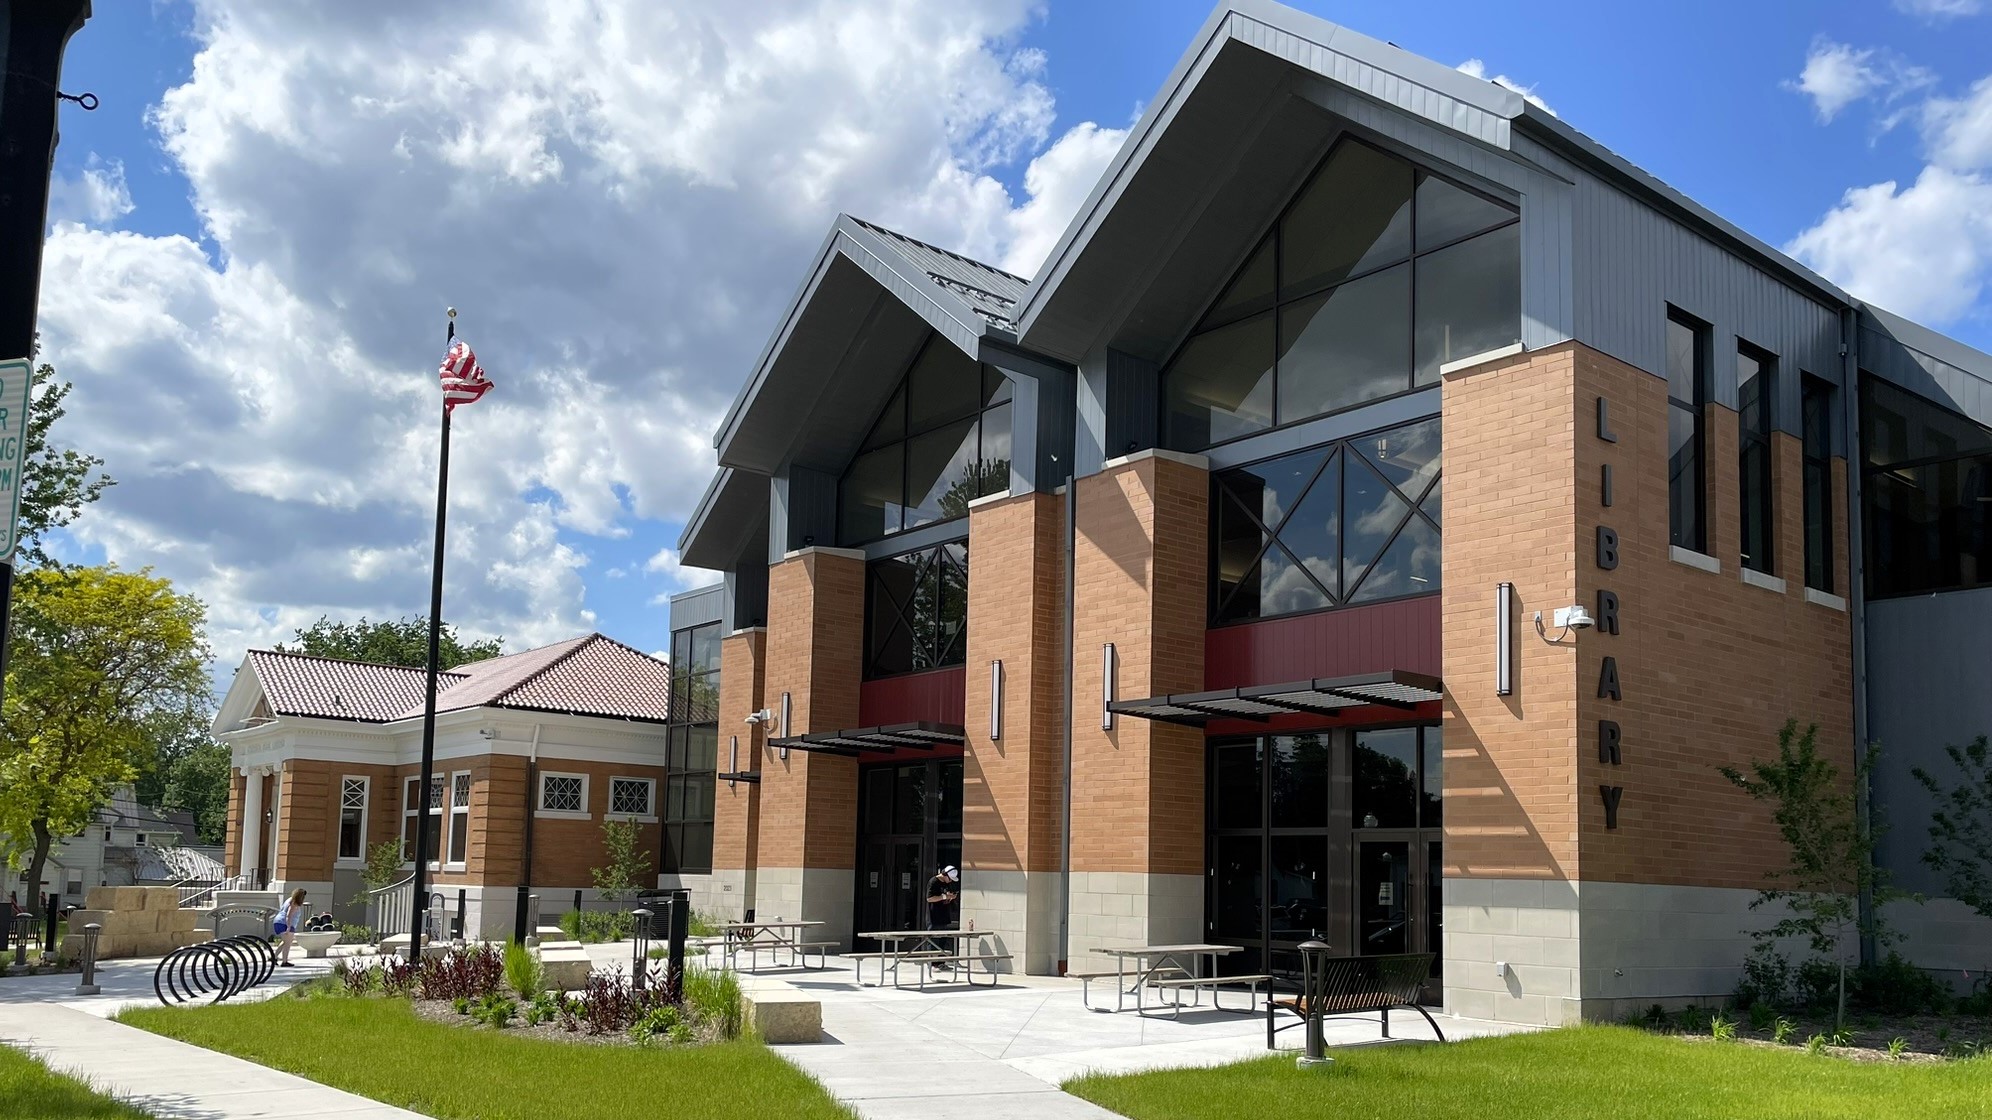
[1896,1047]
[713,995]
[495,1009]
[1761,1016]
[360,980]
[1766,978]
[399,975]
[460,1005]
[1816,1044]
[664,1020]
[629,860]
[544,1008]
[1816,983]
[469,973]
[1893,986]
[523,970]
[350,934]
[1782,1030]
[1721,1028]
[593,926]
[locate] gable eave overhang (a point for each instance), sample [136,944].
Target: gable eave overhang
[791,371]
[240,699]
[730,523]
[1284,40]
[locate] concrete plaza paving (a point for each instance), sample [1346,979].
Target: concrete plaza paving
[1001,1053]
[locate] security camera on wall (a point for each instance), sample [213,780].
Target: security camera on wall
[765,715]
[1572,618]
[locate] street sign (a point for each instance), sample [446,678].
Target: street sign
[16,378]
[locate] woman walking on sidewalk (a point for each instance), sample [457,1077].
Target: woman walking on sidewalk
[288,918]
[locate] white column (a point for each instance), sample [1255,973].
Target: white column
[276,822]
[250,850]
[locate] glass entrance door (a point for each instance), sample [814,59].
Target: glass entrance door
[1385,902]
[889,886]
[909,827]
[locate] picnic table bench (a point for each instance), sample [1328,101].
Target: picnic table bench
[1159,967]
[1335,986]
[921,948]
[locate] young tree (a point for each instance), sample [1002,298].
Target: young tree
[1961,826]
[96,653]
[56,482]
[383,866]
[401,642]
[1830,847]
[628,863]
[197,781]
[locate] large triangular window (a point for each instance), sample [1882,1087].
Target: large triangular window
[1352,522]
[1377,274]
[942,441]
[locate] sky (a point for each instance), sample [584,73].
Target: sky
[253,240]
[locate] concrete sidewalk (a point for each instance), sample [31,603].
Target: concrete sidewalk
[172,1080]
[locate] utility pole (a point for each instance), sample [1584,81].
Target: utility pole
[38,33]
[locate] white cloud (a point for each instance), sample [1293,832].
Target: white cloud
[1959,130]
[1923,251]
[666,564]
[1937,10]
[1476,68]
[1836,75]
[97,197]
[617,194]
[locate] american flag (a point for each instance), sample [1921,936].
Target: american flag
[463,378]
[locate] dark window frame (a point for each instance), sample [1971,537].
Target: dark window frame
[991,386]
[1281,299]
[1816,456]
[944,656]
[1757,439]
[1957,528]
[1678,535]
[1338,599]
[694,706]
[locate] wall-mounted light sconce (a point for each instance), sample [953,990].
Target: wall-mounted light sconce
[787,710]
[1564,619]
[732,756]
[995,700]
[1504,639]
[1108,664]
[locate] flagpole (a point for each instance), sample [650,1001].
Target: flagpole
[419,910]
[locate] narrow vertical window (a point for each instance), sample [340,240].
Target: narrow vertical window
[352,818]
[1756,396]
[459,816]
[1817,412]
[1687,394]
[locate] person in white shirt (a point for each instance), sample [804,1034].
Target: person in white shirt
[289,916]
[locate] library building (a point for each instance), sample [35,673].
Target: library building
[1377,522]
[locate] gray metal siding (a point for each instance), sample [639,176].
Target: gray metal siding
[1926,690]
[1952,386]
[1134,405]
[699,607]
[1630,262]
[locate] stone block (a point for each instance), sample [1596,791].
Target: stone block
[101,898]
[783,1016]
[566,968]
[80,918]
[161,898]
[181,921]
[128,898]
[72,947]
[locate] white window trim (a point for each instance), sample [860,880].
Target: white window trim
[366,810]
[456,860]
[539,800]
[640,818]
[434,810]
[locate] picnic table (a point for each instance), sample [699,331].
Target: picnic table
[773,935]
[924,949]
[1162,966]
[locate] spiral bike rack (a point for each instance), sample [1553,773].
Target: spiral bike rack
[216,970]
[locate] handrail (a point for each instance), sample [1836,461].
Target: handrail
[392,906]
[195,896]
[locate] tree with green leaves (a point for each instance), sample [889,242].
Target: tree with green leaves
[197,782]
[403,642]
[56,482]
[97,653]
[1961,825]
[628,863]
[1830,847]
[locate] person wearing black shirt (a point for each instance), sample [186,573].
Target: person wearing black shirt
[943,890]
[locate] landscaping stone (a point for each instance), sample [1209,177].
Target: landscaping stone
[567,965]
[783,1015]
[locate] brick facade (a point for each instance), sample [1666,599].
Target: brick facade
[809,802]
[737,805]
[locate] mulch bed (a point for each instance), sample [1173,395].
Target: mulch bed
[1929,1038]
[442,1011]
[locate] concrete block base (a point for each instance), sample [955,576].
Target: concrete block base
[783,1016]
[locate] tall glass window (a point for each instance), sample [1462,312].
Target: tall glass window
[1816,420]
[916,610]
[1355,521]
[942,441]
[1927,488]
[691,751]
[1377,274]
[1756,396]
[1687,396]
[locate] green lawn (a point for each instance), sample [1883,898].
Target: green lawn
[29,1090]
[1579,1074]
[378,1048]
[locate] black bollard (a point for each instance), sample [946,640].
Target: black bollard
[521,932]
[681,925]
[49,915]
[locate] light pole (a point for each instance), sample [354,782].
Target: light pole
[38,33]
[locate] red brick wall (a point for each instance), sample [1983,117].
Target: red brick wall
[736,806]
[809,802]
[1142,569]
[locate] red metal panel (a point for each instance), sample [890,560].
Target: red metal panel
[1403,634]
[939,696]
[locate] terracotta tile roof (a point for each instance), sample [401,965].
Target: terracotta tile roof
[590,675]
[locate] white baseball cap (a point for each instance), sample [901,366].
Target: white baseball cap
[950,871]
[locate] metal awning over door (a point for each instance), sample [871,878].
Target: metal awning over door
[1395,688]
[892,737]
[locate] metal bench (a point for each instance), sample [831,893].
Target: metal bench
[884,959]
[926,965]
[1334,986]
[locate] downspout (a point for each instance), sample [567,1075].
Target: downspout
[1065,782]
[1850,373]
[532,804]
